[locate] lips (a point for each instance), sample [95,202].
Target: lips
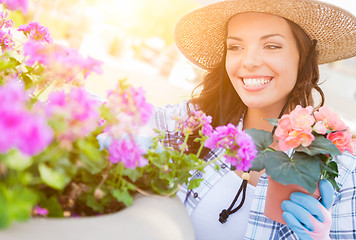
[254,83]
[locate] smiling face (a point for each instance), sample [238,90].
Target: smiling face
[261,60]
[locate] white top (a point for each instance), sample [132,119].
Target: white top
[205,217]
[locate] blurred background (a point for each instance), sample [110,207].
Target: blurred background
[134,39]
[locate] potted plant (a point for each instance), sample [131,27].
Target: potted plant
[308,143]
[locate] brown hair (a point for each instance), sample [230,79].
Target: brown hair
[217,90]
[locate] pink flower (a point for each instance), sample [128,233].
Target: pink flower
[19,127]
[9,125]
[40,211]
[16,5]
[240,148]
[42,53]
[63,63]
[5,21]
[342,140]
[71,64]
[57,98]
[6,41]
[101,122]
[196,120]
[125,124]
[13,95]
[295,129]
[91,65]
[320,128]
[143,108]
[36,32]
[301,118]
[127,152]
[329,119]
[132,102]
[77,109]
[36,135]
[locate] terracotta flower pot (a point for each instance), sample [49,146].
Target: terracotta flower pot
[276,194]
[152,218]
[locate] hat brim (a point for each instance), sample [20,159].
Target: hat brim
[200,35]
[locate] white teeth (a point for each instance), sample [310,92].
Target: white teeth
[255,82]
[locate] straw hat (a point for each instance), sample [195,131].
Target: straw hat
[200,35]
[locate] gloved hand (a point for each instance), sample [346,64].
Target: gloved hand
[306,216]
[104,140]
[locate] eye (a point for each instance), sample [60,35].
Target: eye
[234,48]
[272,46]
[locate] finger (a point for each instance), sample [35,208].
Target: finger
[327,193]
[296,226]
[309,203]
[299,213]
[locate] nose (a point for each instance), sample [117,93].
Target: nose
[251,58]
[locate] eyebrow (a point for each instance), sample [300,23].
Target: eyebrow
[261,38]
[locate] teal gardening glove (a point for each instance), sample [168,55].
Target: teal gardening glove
[306,216]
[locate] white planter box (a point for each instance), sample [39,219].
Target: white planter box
[156,218]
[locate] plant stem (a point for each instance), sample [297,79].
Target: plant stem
[184,144]
[118,175]
[43,89]
[212,161]
[201,147]
[174,191]
[105,176]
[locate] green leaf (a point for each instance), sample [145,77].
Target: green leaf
[93,203]
[217,167]
[194,183]
[273,121]
[130,186]
[133,174]
[258,163]
[160,186]
[320,145]
[53,178]
[302,169]
[330,172]
[39,70]
[8,64]
[27,80]
[331,169]
[5,219]
[91,157]
[122,195]
[52,205]
[261,138]
[168,174]
[15,160]
[63,164]
[16,204]
[29,69]
[14,62]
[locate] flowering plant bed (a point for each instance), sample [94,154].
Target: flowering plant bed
[53,160]
[308,142]
[66,153]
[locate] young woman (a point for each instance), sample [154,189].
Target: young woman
[262,61]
